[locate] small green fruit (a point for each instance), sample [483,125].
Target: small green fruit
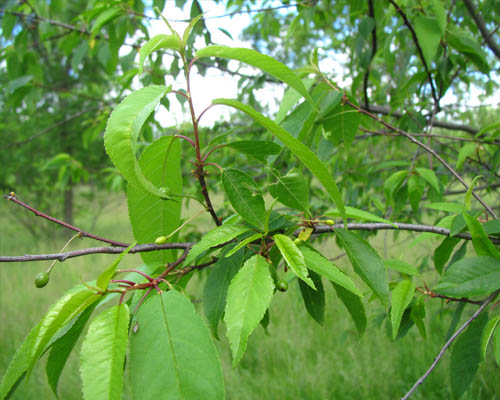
[297,241]
[329,222]
[161,240]
[282,285]
[41,279]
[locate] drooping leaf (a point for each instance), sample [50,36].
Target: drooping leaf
[293,257]
[461,41]
[62,347]
[430,177]
[215,289]
[472,276]
[302,152]
[150,215]
[216,236]
[321,265]
[122,130]
[64,310]
[354,306]
[103,354]
[157,42]
[429,37]
[172,355]
[291,190]
[443,252]
[259,149]
[105,17]
[16,371]
[466,355]
[367,263]
[488,334]
[248,298]
[314,299]
[102,281]
[342,124]
[482,244]
[356,213]
[401,266]
[243,243]
[239,188]
[400,299]
[261,61]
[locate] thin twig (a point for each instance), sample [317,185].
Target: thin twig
[432,294]
[448,344]
[12,197]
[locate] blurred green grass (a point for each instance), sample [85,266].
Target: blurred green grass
[299,359]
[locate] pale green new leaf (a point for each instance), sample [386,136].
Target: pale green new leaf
[248,297]
[103,354]
[466,151]
[430,177]
[301,151]
[400,299]
[16,371]
[466,355]
[102,281]
[216,236]
[239,188]
[261,61]
[150,215]
[473,276]
[189,29]
[482,244]
[105,17]
[453,208]
[367,263]
[356,213]
[172,355]
[123,128]
[488,334]
[293,257]
[157,42]
[321,265]
[64,310]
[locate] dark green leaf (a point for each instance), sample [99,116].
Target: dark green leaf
[488,334]
[342,124]
[258,149]
[354,306]
[314,299]
[482,244]
[292,190]
[443,252]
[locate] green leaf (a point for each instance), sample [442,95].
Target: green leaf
[482,244]
[243,243]
[440,15]
[63,311]
[248,298]
[400,299]
[488,334]
[293,257]
[466,355]
[443,252]
[393,183]
[291,190]
[263,62]
[465,151]
[16,371]
[239,188]
[461,41]
[496,346]
[492,227]
[215,289]
[62,347]
[157,42]
[314,299]
[105,17]
[468,194]
[356,213]
[430,177]
[216,236]
[123,128]
[103,354]
[401,266]
[188,30]
[367,263]
[473,276]
[105,276]
[453,208]
[303,153]
[342,124]
[429,36]
[259,149]
[354,306]
[321,265]
[172,355]
[151,216]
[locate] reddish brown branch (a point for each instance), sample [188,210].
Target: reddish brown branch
[433,295]
[12,197]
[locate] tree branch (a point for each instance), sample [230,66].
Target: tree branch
[448,344]
[371,14]
[481,25]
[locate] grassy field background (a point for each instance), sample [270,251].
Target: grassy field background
[299,359]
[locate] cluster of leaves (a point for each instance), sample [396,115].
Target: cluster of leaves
[256,249]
